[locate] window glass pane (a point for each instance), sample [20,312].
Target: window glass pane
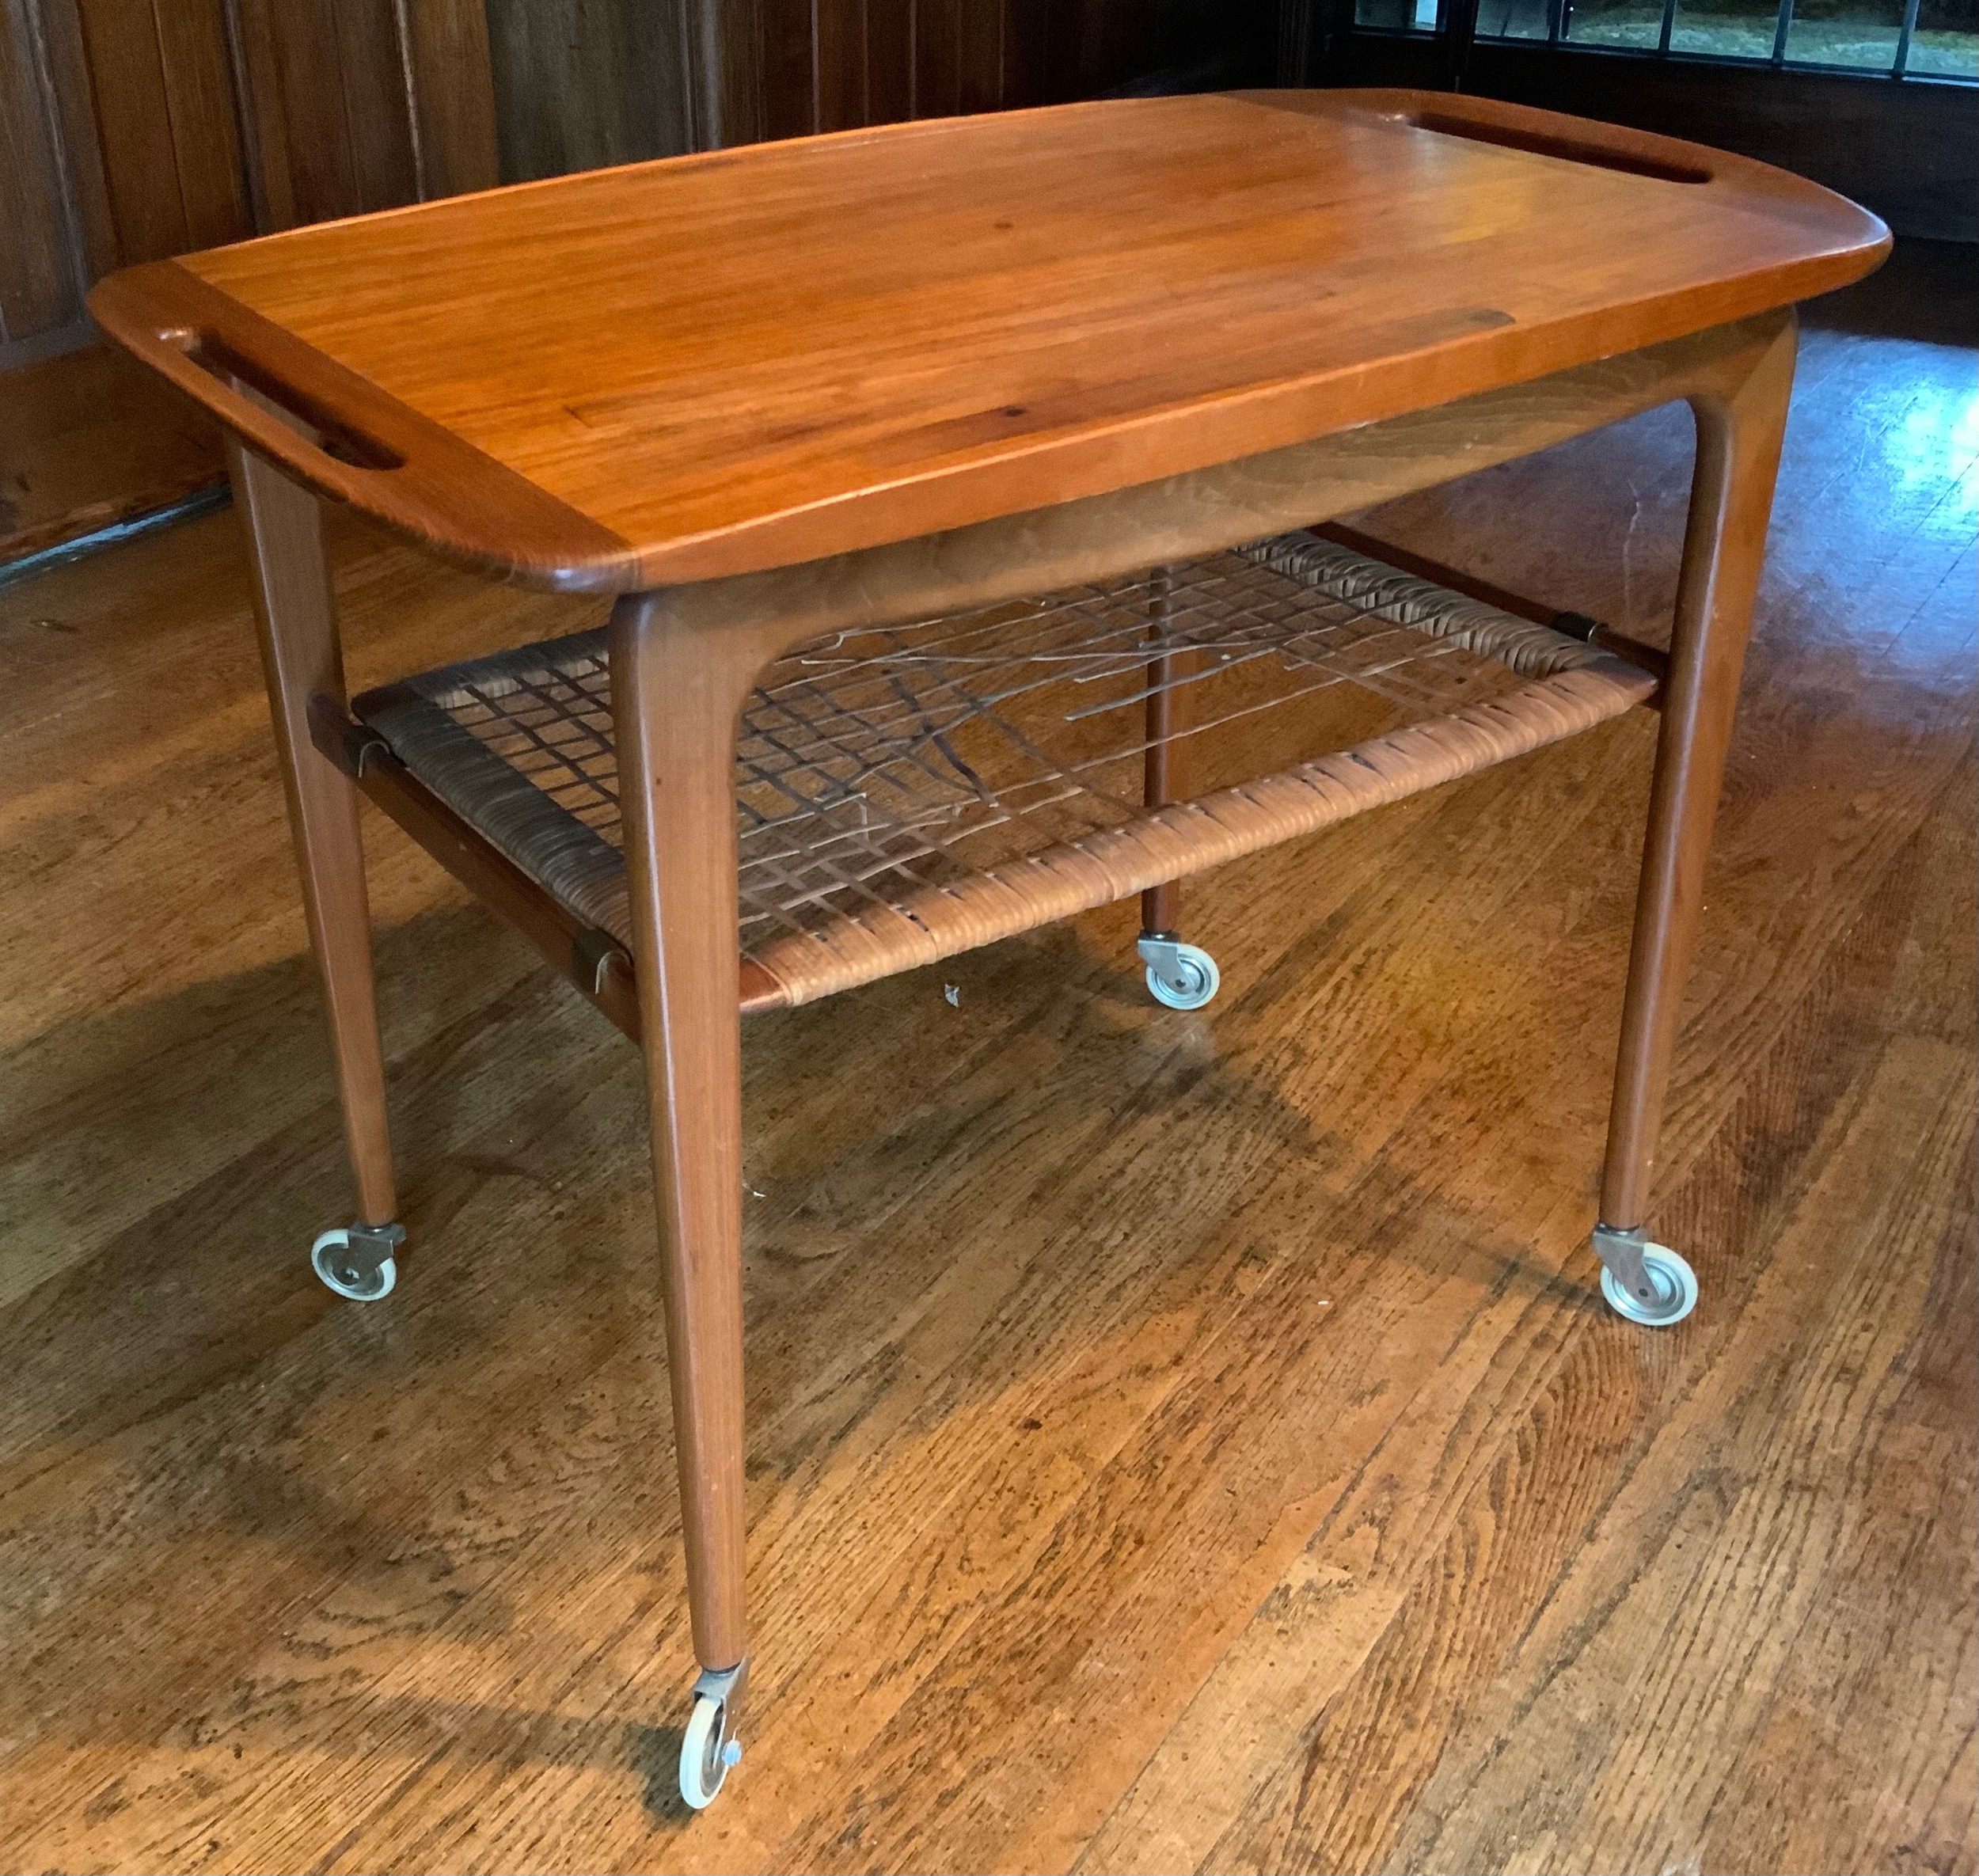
[1726,29]
[1511,19]
[1946,39]
[1397,15]
[1612,23]
[1862,33]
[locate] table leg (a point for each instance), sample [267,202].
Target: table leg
[1160,905]
[1739,433]
[676,695]
[1182,976]
[302,659]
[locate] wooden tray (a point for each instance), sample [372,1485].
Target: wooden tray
[748,359]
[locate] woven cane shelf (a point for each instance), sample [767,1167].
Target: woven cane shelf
[905,794]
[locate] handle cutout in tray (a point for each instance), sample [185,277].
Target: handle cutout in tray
[1599,156]
[311,420]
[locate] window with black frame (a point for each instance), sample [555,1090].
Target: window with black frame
[1929,39]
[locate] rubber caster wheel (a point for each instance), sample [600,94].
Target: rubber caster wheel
[347,1259]
[707,1752]
[1672,1284]
[1180,977]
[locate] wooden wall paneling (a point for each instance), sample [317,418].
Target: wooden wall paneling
[581,84]
[296,109]
[788,64]
[1217,45]
[72,100]
[263,116]
[133,128]
[1027,39]
[1092,45]
[350,106]
[833,64]
[374,81]
[890,60]
[324,86]
[452,95]
[39,289]
[724,41]
[197,68]
[937,58]
[162,102]
[839,48]
[979,55]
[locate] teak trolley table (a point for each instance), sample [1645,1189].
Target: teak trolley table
[828,416]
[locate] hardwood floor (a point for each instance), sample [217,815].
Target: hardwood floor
[1176,1441]
[89,440]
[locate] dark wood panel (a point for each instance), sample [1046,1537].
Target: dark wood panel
[788,69]
[453,96]
[938,50]
[839,49]
[838,63]
[326,90]
[1026,41]
[723,39]
[134,121]
[891,27]
[205,143]
[162,118]
[979,34]
[580,83]
[73,102]
[39,289]
[377,120]
[137,129]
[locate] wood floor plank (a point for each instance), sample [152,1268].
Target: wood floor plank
[1719,1541]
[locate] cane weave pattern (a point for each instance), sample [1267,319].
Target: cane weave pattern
[906,793]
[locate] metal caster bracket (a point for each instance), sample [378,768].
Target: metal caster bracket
[1647,1283]
[1622,1252]
[726,1684]
[709,1749]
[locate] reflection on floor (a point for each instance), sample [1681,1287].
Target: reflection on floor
[1177,1441]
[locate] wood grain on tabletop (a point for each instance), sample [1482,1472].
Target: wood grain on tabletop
[753,357]
[1175,1441]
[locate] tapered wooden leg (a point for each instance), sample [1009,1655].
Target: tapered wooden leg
[1739,442]
[1160,905]
[1182,976]
[302,657]
[677,694]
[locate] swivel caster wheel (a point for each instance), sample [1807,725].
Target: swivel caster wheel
[708,1748]
[356,1260]
[1646,1283]
[1182,976]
